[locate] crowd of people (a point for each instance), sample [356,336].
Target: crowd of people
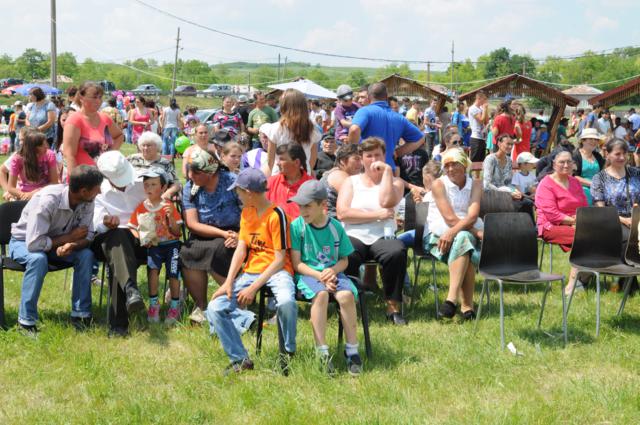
[289,193]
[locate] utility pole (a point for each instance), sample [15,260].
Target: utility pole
[278,78]
[284,69]
[54,50]
[452,52]
[175,65]
[249,84]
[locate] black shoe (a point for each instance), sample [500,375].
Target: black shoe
[285,362]
[118,331]
[447,310]
[81,324]
[354,364]
[469,315]
[396,318]
[134,301]
[28,330]
[237,367]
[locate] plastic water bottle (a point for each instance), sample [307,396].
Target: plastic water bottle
[388,230]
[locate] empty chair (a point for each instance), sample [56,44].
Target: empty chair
[512,257]
[596,248]
[494,201]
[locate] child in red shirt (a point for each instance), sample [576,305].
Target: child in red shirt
[156,223]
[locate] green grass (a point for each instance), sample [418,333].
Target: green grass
[427,372]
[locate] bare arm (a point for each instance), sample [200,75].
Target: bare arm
[70,140]
[116,135]
[204,230]
[271,153]
[407,148]
[354,134]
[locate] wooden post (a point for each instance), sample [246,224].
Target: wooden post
[554,121]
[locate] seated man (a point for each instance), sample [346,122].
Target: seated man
[57,224]
[119,196]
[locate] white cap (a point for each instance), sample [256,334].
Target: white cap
[526,158]
[115,167]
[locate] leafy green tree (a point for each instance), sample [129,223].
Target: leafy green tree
[32,64]
[357,79]
[67,64]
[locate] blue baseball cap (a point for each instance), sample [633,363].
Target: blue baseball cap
[250,179]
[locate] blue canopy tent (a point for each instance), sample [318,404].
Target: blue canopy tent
[48,90]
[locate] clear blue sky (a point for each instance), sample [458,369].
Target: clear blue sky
[402,29]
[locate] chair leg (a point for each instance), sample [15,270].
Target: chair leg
[542,255]
[340,326]
[501,314]
[488,290]
[597,304]
[416,271]
[435,286]
[164,289]
[484,284]
[66,276]
[544,300]
[550,258]
[627,290]
[564,312]
[110,284]
[104,268]
[3,324]
[261,312]
[365,323]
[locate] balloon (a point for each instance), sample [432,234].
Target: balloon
[182,143]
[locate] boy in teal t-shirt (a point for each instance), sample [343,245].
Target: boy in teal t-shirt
[319,251]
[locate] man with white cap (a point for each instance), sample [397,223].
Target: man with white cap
[119,197]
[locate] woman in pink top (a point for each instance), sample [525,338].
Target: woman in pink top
[32,167]
[558,197]
[140,118]
[88,133]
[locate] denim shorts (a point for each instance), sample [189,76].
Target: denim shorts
[168,254]
[309,287]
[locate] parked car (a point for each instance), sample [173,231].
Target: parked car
[107,86]
[186,91]
[8,82]
[147,90]
[218,90]
[206,117]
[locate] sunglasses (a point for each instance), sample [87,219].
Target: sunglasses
[455,142]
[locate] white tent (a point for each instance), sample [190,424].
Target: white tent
[310,89]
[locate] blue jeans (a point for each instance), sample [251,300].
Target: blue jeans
[37,266]
[221,311]
[168,141]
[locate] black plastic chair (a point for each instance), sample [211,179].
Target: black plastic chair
[512,257]
[631,254]
[596,248]
[496,201]
[10,213]
[265,292]
[419,254]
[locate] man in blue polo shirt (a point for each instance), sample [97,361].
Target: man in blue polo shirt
[378,120]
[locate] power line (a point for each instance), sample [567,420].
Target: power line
[335,55]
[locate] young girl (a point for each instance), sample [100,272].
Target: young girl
[232,156]
[32,167]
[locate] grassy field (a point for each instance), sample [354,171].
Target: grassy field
[426,372]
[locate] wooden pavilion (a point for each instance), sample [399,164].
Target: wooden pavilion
[617,94]
[519,85]
[400,86]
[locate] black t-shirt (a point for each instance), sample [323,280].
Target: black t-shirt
[411,166]
[244,113]
[325,162]
[7,114]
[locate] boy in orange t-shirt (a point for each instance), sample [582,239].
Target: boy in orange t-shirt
[264,236]
[156,223]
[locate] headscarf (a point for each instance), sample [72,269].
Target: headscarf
[455,155]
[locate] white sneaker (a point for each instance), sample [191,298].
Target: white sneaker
[197,316]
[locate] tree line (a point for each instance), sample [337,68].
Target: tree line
[590,67]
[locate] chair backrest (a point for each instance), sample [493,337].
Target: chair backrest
[9,213]
[632,252]
[495,201]
[421,209]
[598,238]
[409,212]
[509,245]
